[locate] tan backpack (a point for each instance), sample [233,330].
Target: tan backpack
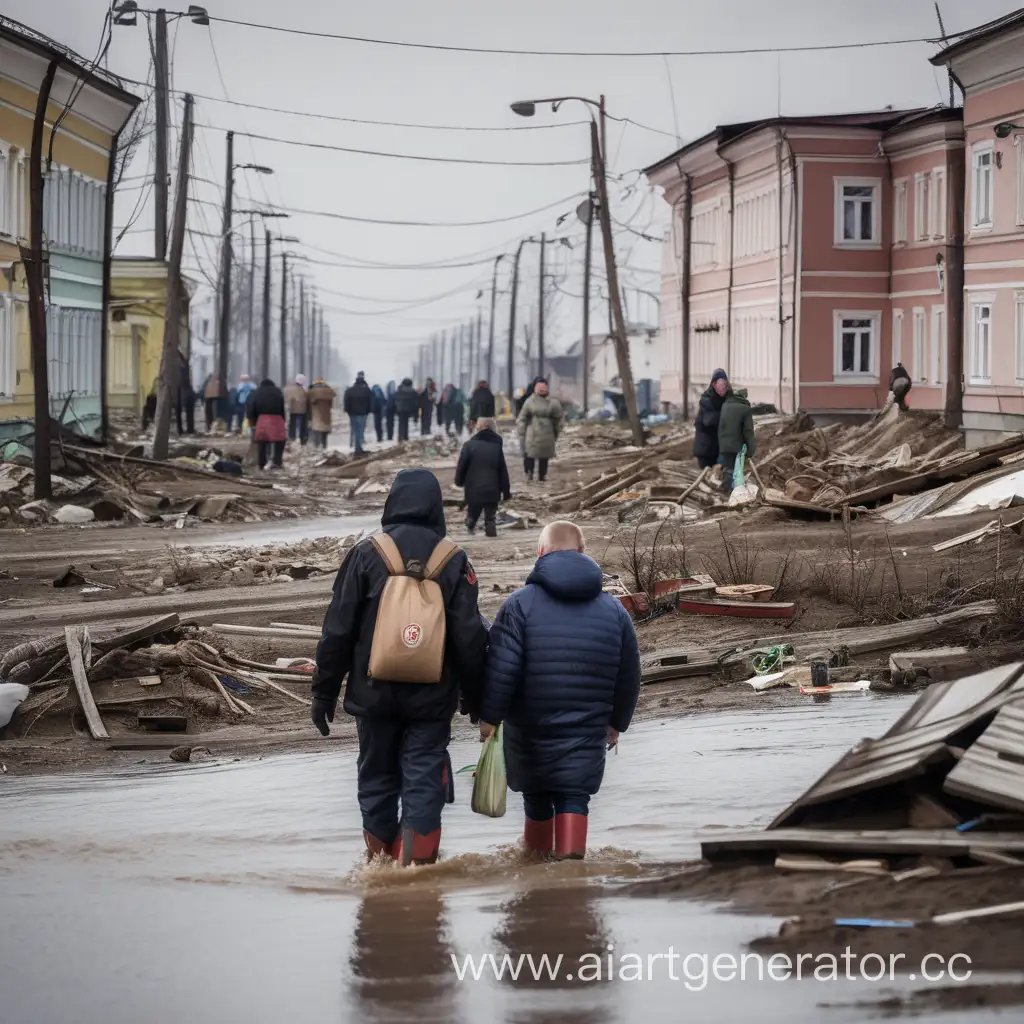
[409,634]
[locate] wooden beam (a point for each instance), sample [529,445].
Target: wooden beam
[76,637]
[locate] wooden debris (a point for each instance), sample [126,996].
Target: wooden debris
[230,629]
[740,609]
[77,639]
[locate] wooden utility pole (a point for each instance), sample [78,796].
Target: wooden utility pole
[284,319]
[300,352]
[614,298]
[490,327]
[224,332]
[35,278]
[510,376]
[161,75]
[587,262]
[540,310]
[251,354]
[265,360]
[479,345]
[169,357]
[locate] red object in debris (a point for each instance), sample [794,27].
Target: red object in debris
[663,587]
[636,604]
[741,609]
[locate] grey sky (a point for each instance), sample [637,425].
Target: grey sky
[374,82]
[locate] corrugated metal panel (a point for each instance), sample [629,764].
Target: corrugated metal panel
[992,770]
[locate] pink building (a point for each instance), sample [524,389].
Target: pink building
[821,251]
[988,65]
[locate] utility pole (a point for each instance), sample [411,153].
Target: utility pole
[479,344]
[284,318]
[587,261]
[252,295]
[614,298]
[169,357]
[490,328]
[301,365]
[510,377]
[161,75]
[540,310]
[440,365]
[36,281]
[224,333]
[265,355]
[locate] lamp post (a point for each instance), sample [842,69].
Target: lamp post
[598,148]
[490,330]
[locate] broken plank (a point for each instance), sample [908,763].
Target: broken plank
[966,538]
[127,637]
[971,915]
[76,637]
[276,634]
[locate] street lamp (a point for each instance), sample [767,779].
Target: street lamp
[1005,129]
[599,170]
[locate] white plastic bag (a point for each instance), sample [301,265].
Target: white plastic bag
[489,783]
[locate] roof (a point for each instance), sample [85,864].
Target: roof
[723,134]
[981,34]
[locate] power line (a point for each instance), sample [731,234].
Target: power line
[402,156]
[502,51]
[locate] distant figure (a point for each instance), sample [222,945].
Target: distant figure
[452,408]
[265,411]
[563,675]
[358,404]
[484,475]
[297,400]
[149,409]
[705,438]
[185,401]
[407,407]
[242,392]
[321,408]
[428,397]
[389,408]
[540,421]
[379,405]
[900,385]
[481,404]
[207,394]
[735,429]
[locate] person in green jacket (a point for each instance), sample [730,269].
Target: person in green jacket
[735,429]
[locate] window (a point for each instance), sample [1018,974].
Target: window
[73,212]
[919,370]
[856,344]
[73,343]
[706,233]
[13,200]
[982,183]
[897,336]
[899,212]
[920,207]
[936,372]
[981,339]
[8,340]
[857,212]
[1019,334]
[937,204]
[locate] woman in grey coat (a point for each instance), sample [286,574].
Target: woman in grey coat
[540,421]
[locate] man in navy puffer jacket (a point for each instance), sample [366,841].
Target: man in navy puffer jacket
[563,674]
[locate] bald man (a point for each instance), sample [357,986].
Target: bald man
[563,675]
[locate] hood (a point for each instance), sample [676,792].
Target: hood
[267,383]
[739,395]
[415,500]
[377,391]
[489,436]
[407,382]
[391,388]
[719,374]
[568,576]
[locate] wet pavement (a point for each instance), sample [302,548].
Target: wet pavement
[236,892]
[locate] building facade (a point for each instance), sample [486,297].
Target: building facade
[77,214]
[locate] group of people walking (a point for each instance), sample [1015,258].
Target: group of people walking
[723,428]
[297,413]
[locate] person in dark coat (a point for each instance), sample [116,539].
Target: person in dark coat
[185,399]
[403,728]
[407,407]
[358,404]
[481,404]
[379,404]
[484,475]
[735,432]
[705,439]
[389,408]
[563,675]
[265,411]
[900,385]
[428,399]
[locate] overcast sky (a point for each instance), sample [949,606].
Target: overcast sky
[375,312]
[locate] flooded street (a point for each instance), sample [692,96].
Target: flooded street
[236,892]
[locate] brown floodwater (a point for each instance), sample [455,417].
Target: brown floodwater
[227,892]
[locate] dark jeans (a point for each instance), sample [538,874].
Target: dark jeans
[707,462]
[319,438]
[454,421]
[237,417]
[298,427]
[263,451]
[405,761]
[189,406]
[378,425]
[403,427]
[542,466]
[357,431]
[473,514]
[391,425]
[210,411]
[728,468]
[544,806]
[427,420]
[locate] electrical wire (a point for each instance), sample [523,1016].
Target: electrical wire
[503,51]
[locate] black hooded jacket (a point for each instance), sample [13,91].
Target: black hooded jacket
[358,399]
[407,399]
[414,519]
[266,400]
[705,438]
[481,404]
[482,469]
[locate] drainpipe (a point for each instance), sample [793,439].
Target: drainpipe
[781,266]
[954,408]
[684,287]
[888,164]
[794,216]
[732,240]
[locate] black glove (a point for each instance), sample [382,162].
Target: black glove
[322,712]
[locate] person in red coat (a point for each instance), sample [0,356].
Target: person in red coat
[265,412]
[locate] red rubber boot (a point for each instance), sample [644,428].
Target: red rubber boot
[539,837]
[412,848]
[570,836]
[375,847]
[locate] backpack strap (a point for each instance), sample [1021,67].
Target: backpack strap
[388,551]
[439,558]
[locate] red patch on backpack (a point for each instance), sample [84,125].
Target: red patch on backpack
[470,574]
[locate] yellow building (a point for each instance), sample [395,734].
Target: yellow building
[77,215]
[138,303]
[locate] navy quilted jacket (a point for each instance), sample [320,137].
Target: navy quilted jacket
[563,665]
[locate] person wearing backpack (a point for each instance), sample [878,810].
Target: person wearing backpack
[404,626]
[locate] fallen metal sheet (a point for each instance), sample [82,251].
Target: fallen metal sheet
[992,769]
[875,842]
[1003,492]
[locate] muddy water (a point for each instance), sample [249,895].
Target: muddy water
[235,892]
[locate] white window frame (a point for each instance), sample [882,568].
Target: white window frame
[8,347]
[983,220]
[1018,334]
[937,204]
[921,206]
[856,376]
[875,241]
[6,191]
[919,335]
[937,362]
[897,336]
[973,348]
[899,211]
